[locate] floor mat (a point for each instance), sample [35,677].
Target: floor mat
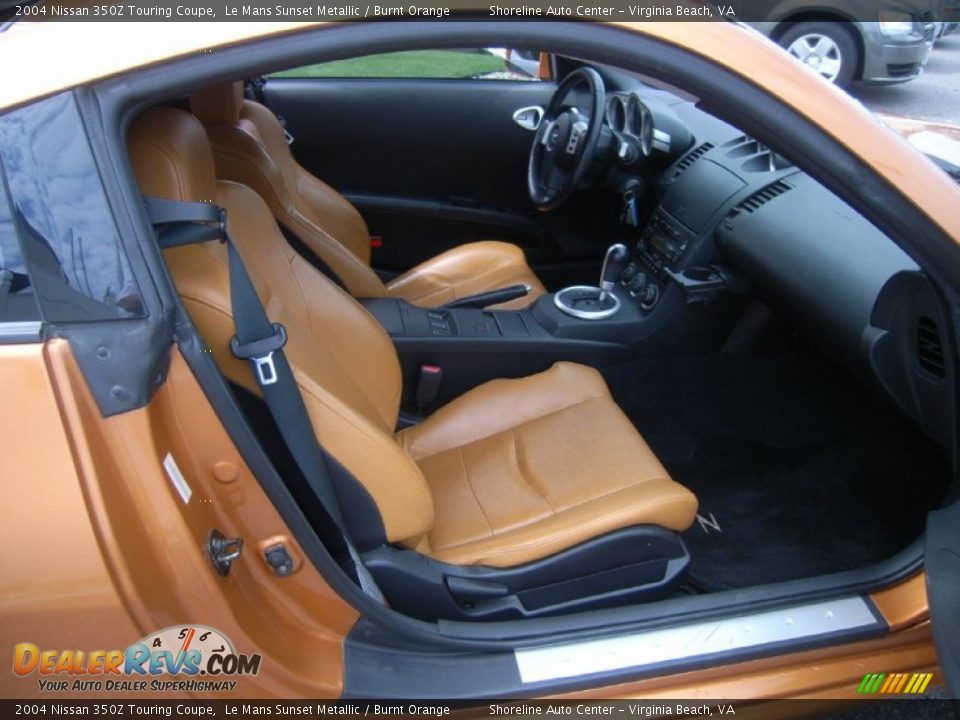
[799,470]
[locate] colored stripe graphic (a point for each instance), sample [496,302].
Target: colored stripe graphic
[894,683]
[889,682]
[923,685]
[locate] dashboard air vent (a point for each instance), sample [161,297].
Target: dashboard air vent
[690,158]
[930,348]
[761,197]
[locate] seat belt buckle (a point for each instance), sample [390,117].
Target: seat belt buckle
[265,369]
[260,353]
[428,386]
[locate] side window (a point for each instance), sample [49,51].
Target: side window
[59,245]
[474,64]
[17,301]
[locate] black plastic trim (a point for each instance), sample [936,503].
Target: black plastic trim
[21,332]
[123,359]
[382,204]
[942,551]
[633,564]
[359,510]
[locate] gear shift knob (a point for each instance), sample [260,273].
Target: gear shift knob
[614,263]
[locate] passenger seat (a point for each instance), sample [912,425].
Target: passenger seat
[249,147]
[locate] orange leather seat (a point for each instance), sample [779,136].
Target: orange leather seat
[511,472]
[249,147]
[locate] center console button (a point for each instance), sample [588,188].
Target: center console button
[649,296]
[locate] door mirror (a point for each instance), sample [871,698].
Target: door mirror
[525,64]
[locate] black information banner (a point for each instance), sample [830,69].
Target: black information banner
[920,709]
[317,10]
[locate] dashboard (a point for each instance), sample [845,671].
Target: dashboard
[728,220]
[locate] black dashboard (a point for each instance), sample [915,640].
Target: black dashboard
[728,216]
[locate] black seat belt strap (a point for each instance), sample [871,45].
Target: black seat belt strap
[261,343]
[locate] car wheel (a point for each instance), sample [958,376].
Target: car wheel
[827,48]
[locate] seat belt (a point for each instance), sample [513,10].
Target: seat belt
[260,342]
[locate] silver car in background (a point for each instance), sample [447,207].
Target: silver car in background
[890,49]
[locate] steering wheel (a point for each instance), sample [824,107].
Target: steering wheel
[565,141]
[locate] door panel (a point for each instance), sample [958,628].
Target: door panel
[432,163]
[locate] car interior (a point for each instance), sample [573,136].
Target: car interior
[567,342]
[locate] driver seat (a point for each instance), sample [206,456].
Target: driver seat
[250,148]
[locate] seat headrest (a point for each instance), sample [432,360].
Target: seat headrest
[218,104]
[171,156]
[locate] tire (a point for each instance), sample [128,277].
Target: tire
[827,48]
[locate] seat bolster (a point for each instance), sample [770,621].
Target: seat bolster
[242,157]
[393,480]
[672,505]
[326,208]
[467,270]
[499,405]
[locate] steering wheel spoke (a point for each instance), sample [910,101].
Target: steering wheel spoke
[545,127]
[556,180]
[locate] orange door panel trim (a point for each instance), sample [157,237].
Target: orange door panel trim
[135,548]
[905,604]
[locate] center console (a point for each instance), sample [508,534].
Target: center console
[472,345]
[592,325]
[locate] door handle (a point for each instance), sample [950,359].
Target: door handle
[529,117]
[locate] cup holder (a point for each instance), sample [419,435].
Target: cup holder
[700,274]
[583,302]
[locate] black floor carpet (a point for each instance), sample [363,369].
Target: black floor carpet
[800,471]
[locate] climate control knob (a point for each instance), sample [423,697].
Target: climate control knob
[629,272]
[637,284]
[648,296]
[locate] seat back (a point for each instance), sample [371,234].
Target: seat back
[343,360]
[250,147]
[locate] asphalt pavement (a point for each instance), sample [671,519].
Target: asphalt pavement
[934,96]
